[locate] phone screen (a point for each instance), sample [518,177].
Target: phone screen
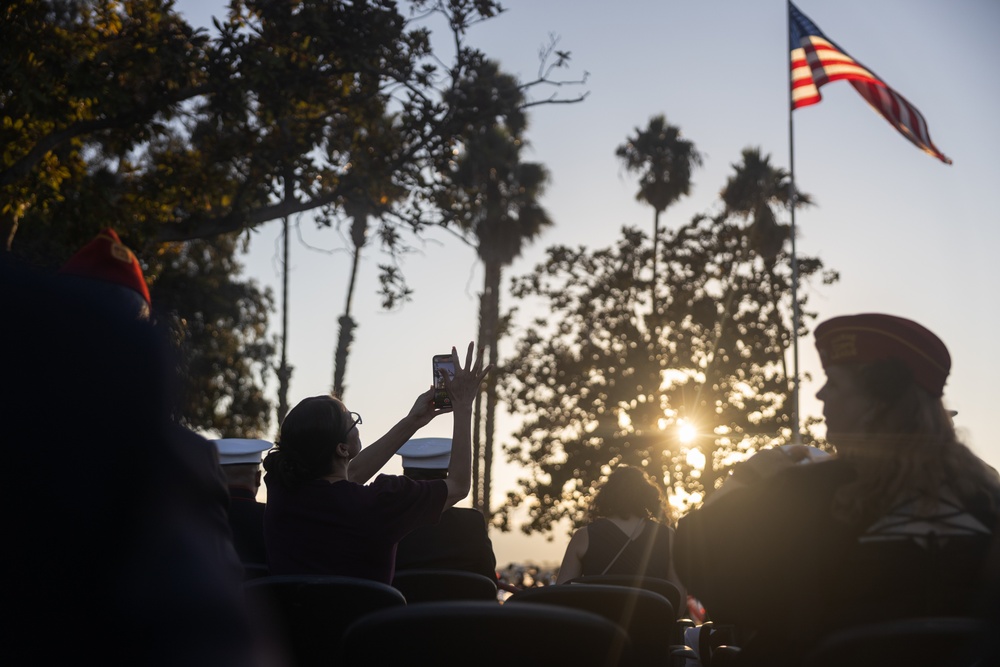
[442,364]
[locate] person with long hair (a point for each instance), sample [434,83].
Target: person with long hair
[897,524]
[627,533]
[322,517]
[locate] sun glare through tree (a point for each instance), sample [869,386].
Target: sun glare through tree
[686,432]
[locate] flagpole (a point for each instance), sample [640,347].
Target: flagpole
[793,198]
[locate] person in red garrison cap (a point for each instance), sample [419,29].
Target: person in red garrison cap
[114,516]
[109,262]
[898,524]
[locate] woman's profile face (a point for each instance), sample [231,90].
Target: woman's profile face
[846,405]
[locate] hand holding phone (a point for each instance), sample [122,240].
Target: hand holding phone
[442,363]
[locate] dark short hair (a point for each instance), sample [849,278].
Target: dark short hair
[629,491]
[308,437]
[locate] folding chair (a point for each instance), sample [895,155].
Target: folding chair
[308,614]
[443,585]
[646,617]
[485,634]
[916,642]
[665,588]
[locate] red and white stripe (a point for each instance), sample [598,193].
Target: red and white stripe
[817,62]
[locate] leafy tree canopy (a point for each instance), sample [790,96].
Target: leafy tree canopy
[599,380]
[117,113]
[295,105]
[219,321]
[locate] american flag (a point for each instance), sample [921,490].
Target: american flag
[817,61]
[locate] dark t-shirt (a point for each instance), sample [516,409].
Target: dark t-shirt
[459,541]
[771,557]
[344,528]
[647,555]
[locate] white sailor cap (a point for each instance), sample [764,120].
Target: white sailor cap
[426,453]
[234,451]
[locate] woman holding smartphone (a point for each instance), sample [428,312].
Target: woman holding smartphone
[323,518]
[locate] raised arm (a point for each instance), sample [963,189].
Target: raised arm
[372,458]
[462,389]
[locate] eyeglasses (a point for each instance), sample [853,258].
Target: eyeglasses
[357,420]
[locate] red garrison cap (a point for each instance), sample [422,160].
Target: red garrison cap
[107,258]
[853,339]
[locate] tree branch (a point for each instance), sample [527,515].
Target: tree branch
[50,142]
[202,227]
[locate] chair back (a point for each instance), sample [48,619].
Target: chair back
[485,634]
[443,585]
[307,614]
[646,617]
[665,588]
[915,642]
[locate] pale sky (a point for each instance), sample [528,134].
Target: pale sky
[909,235]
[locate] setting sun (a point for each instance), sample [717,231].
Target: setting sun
[686,432]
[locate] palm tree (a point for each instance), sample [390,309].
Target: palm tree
[752,193]
[499,206]
[664,162]
[493,196]
[369,192]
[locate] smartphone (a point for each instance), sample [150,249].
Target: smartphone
[442,364]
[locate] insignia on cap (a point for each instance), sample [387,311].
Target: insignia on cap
[121,253]
[843,346]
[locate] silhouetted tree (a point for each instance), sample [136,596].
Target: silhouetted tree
[664,162]
[753,193]
[598,383]
[220,324]
[200,131]
[119,111]
[495,198]
[369,192]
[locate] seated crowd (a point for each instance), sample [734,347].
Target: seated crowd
[900,523]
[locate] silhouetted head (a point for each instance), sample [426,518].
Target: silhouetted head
[426,458]
[111,266]
[885,378]
[240,460]
[628,492]
[882,403]
[314,433]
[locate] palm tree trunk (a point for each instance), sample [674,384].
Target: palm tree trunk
[491,297]
[491,411]
[284,370]
[477,452]
[477,421]
[656,240]
[359,233]
[776,295]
